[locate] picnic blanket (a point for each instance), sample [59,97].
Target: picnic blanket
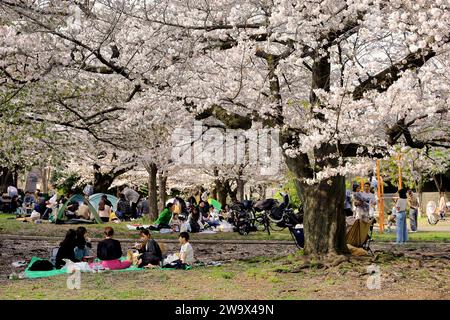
[44,274]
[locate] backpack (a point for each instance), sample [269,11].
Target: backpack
[42,265]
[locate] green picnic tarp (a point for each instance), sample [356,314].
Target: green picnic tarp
[41,274]
[44,274]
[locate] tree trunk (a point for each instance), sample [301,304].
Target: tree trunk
[102,182]
[324,219]
[162,178]
[6,179]
[152,193]
[222,193]
[44,180]
[240,189]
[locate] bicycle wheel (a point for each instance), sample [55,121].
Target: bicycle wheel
[432,220]
[260,224]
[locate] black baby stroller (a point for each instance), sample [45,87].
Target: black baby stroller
[243,216]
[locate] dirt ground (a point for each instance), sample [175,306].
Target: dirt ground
[17,250]
[411,271]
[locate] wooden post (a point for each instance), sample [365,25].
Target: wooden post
[380,199]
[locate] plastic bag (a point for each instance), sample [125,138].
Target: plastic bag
[35,215]
[165,231]
[185,227]
[225,227]
[171,258]
[71,267]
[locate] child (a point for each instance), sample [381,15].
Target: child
[186,251]
[186,255]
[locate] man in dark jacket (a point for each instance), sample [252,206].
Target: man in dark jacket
[151,254]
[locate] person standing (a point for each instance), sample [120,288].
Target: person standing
[123,208]
[400,206]
[348,204]
[133,197]
[413,203]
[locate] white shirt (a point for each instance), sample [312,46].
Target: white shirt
[189,253]
[401,205]
[105,213]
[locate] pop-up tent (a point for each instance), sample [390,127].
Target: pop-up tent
[80,199]
[95,200]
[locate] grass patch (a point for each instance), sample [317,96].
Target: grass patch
[218,273]
[421,236]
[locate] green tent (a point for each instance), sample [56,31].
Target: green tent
[95,200]
[79,198]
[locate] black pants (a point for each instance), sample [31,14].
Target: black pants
[104,219]
[160,226]
[177,264]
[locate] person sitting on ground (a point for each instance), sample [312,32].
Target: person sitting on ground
[194,220]
[185,257]
[84,212]
[109,251]
[123,208]
[29,201]
[72,208]
[186,250]
[150,250]
[104,211]
[213,219]
[107,202]
[66,249]
[82,244]
[203,207]
[164,218]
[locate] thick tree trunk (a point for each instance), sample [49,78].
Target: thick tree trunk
[6,179]
[324,219]
[152,192]
[222,193]
[102,182]
[240,189]
[162,179]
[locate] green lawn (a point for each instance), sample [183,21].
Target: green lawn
[8,225]
[254,279]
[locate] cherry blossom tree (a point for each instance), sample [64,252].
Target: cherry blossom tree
[343,81]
